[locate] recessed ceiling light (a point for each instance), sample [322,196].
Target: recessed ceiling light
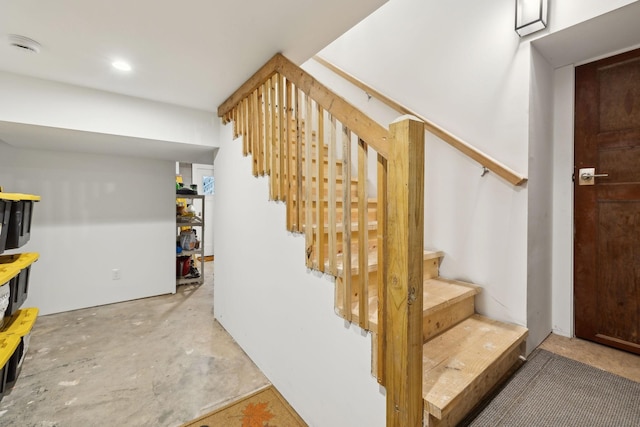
[121,65]
[25,44]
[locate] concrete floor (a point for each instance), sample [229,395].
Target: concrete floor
[158,361]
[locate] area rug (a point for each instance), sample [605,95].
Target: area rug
[264,408]
[551,390]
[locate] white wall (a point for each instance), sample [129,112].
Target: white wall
[464,68]
[562,275]
[280,313]
[46,103]
[97,213]
[539,244]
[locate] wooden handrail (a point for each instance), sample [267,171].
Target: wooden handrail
[370,131]
[467,149]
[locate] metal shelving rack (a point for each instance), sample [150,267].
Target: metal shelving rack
[197,221]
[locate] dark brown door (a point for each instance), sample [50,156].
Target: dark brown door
[607,213]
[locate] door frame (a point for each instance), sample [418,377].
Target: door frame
[563,197]
[562,105]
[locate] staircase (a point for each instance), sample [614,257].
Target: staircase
[296,143]
[465,355]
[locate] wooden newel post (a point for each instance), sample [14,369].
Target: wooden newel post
[404,248]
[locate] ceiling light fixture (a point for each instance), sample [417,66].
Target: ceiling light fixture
[121,65]
[23,43]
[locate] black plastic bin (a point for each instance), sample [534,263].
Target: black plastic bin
[5,213]
[18,228]
[19,224]
[20,326]
[8,281]
[8,348]
[19,285]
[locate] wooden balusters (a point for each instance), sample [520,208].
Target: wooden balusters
[363,237]
[308,221]
[291,170]
[282,132]
[243,126]
[320,164]
[275,169]
[381,214]
[268,120]
[249,130]
[331,207]
[234,119]
[299,171]
[253,133]
[260,130]
[346,222]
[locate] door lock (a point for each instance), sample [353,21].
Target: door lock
[586,176]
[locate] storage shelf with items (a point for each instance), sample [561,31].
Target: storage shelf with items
[16,212]
[189,239]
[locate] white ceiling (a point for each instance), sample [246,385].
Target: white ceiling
[192,53]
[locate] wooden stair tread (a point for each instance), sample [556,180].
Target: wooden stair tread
[371,202]
[458,359]
[373,313]
[439,293]
[373,260]
[371,225]
[354,179]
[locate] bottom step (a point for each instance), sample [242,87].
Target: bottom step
[464,363]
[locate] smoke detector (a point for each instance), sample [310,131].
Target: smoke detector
[24,43]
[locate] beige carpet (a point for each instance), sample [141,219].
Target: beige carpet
[264,408]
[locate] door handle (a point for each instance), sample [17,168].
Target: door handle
[587,175]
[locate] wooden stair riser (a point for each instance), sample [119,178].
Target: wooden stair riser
[372,210]
[372,213]
[434,324]
[463,364]
[371,233]
[371,216]
[431,270]
[372,245]
[314,149]
[496,374]
[353,191]
[339,180]
[314,167]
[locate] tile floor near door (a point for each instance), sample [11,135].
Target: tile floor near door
[599,356]
[158,361]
